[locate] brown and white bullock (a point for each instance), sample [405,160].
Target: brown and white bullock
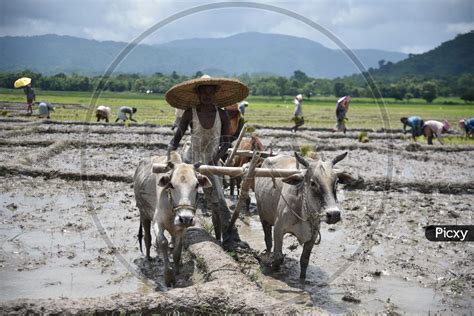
[167,202]
[298,203]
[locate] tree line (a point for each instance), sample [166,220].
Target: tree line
[263,85]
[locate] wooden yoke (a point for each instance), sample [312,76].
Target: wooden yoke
[232,171]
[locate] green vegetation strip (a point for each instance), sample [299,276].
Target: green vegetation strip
[267,111]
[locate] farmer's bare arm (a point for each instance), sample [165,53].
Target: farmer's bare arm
[182,127]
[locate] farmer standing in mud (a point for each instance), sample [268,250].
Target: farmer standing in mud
[342,107]
[202,100]
[30,98]
[298,113]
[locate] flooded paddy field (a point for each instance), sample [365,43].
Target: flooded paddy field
[69,242]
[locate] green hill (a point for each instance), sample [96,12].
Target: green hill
[253,53]
[451,58]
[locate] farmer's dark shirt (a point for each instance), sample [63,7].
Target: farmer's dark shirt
[30,94]
[206,122]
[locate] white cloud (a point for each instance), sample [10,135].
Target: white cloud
[415,49]
[457,28]
[408,25]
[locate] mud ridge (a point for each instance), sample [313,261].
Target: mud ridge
[227,290]
[21,106]
[419,186]
[15,170]
[80,144]
[378,184]
[52,150]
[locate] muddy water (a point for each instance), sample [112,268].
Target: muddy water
[102,160]
[51,246]
[398,269]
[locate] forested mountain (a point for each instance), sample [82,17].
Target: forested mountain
[253,53]
[451,58]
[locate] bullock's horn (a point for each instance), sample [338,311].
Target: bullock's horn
[301,160]
[339,158]
[197,165]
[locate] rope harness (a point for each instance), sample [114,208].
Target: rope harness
[178,207]
[313,219]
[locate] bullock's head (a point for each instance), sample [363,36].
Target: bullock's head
[181,185]
[319,181]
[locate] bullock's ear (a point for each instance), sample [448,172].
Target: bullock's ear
[203,181]
[165,180]
[344,177]
[339,158]
[294,179]
[301,160]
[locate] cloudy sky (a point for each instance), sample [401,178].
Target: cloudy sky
[410,26]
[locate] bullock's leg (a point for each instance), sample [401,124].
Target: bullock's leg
[278,233]
[146,227]
[238,182]
[178,248]
[163,243]
[267,230]
[304,260]
[232,186]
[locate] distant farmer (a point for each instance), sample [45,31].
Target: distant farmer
[415,123]
[123,111]
[242,107]
[298,113]
[236,120]
[102,113]
[342,107]
[30,98]
[44,108]
[202,100]
[434,128]
[467,126]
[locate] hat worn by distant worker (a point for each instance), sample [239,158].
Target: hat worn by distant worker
[184,95]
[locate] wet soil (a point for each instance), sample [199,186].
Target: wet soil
[72,243]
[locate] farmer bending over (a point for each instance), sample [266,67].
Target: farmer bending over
[123,111]
[102,113]
[44,108]
[415,123]
[210,137]
[467,126]
[434,128]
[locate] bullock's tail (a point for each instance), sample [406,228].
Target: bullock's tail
[140,236]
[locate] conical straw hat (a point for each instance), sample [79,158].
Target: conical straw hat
[184,95]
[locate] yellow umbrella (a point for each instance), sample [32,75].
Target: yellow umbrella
[22,82]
